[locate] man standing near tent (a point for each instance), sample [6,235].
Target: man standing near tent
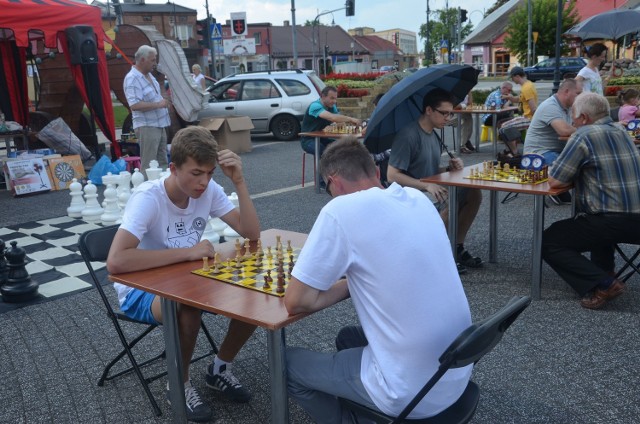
[149,110]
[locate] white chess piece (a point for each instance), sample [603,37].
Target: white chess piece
[137,178]
[124,189]
[111,212]
[153,171]
[77,201]
[92,210]
[106,180]
[210,233]
[230,234]
[233,197]
[218,226]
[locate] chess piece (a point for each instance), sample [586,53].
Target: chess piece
[233,198]
[210,234]
[19,286]
[92,210]
[266,283]
[230,234]
[124,189]
[77,201]
[218,226]
[280,284]
[111,213]
[4,269]
[205,264]
[216,260]
[137,178]
[153,171]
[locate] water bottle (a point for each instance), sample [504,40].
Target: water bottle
[493,105]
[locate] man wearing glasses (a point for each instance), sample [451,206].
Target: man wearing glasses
[396,277]
[416,153]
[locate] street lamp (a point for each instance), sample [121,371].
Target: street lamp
[313,33]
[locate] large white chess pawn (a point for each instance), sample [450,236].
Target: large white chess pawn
[106,180]
[111,212]
[230,234]
[92,210]
[218,225]
[153,171]
[210,233]
[137,178]
[77,201]
[124,189]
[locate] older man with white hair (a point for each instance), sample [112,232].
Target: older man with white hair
[601,162]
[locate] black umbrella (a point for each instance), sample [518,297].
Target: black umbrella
[402,104]
[609,25]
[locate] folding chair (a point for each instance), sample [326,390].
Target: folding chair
[94,246]
[629,262]
[468,348]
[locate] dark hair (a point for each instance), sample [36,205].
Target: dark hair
[596,49]
[194,142]
[572,75]
[348,158]
[435,98]
[625,95]
[517,71]
[327,89]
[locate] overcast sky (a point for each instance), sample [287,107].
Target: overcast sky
[379,14]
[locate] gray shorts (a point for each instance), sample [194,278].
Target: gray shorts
[440,206]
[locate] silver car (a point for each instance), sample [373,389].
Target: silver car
[276,101]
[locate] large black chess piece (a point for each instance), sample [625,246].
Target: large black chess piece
[19,286]
[4,269]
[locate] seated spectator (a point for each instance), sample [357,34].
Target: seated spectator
[602,164]
[629,110]
[497,100]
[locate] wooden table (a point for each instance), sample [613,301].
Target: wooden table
[475,114]
[176,284]
[456,179]
[317,135]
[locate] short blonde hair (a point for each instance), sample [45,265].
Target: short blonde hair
[196,66]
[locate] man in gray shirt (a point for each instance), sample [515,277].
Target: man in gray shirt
[551,120]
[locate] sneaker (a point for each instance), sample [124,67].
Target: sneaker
[561,199]
[465,259]
[461,269]
[196,410]
[228,384]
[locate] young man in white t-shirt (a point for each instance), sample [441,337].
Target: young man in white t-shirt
[404,285]
[163,224]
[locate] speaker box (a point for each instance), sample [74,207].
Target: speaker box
[81,42]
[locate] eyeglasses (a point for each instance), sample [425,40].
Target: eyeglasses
[445,113]
[327,187]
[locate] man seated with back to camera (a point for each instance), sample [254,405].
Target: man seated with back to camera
[416,153]
[551,120]
[602,163]
[401,336]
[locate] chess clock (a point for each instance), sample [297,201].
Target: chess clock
[532,161]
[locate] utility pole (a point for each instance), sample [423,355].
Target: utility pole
[212,43]
[529,31]
[459,28]
[446,9]
[427,46]
[293,33]
[556,74]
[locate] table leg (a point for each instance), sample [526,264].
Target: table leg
[453,217]
[174,361]
[316,158]
[278,371]
[476,129]
[495,134]
[493,226]
[536,248]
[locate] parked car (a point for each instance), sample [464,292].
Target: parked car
[386,69]
[546,68]
[276,101]
[410,70]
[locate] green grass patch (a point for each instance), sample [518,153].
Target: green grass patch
[119,114]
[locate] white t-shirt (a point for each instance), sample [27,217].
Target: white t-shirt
[198,79]
[592,81]
[159,224]
[394,250]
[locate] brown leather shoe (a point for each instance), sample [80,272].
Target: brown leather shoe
[597,298]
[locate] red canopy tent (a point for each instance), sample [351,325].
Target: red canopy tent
[25,21]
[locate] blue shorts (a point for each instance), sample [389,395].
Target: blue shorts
[137,305]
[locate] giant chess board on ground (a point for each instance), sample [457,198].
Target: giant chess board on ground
[53,257]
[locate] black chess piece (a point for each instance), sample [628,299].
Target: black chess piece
[19,286]
[4,269]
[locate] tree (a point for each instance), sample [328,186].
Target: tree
[443,27]
[544,15]
[317,22]
[495,6]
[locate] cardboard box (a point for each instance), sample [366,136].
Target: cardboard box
[26,176]
[64,169]
[231,132]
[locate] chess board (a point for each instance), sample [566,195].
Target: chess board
[512,175]
[53,258]
[251,275]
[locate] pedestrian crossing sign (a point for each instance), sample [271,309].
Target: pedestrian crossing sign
[216,31]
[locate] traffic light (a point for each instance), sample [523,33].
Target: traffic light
[202,29]
[463,15]
[350,7]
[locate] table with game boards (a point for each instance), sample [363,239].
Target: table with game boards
[233,286]
[317,135]
[487,176]
[476,111]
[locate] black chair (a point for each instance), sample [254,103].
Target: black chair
[94,246]
[629,262]
[470,345]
